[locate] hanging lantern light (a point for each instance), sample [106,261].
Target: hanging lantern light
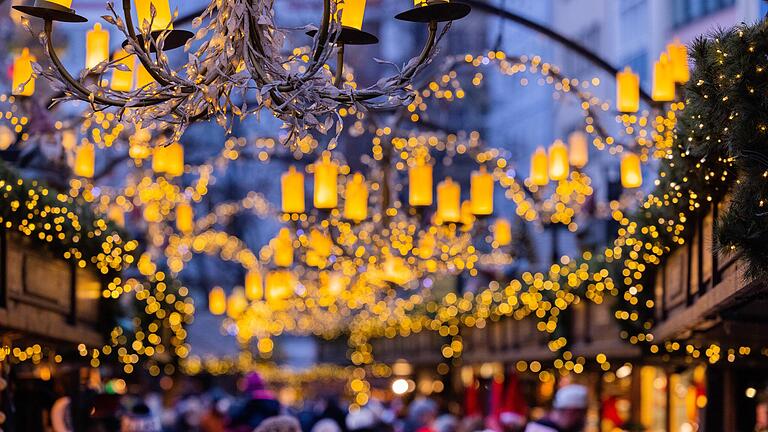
[143,77]
[279,285]
[558,161]
[678,58]
[23,79]
[116,215]
[319,250]
[352,12]
[217,301]
[420,184]
[162,18]
[185,218]
[254,285]
[627,91]
[663,80]
[122,80]
[631,172]
[502,232]
[168,159]
[334,283]
[282,248]
[481,192]
[448,201]
[326,183]
[426,245]
[467,217]
[85,160]
[356,199]
[236,303]
[578,149]
[292,191]
[539,170]
[96,46]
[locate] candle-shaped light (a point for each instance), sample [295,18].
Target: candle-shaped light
[467,218]
[326,183]
[175,160]
[678,58]
[116,215]
[558,161]
[279,285]
[578,149]
[282,248]
[352,12]
[96,46]
[85,160]
[481,192]
[122,80]
[320,245]
[627,91]
[292,191]
[65,3]
[663,89]
[23,81]
[356,199]
[236,303]
[631,172]
[448,201]
[185,218]
[143,78]
[254,285]
[502,232]
[162,19]
[160,159]
[217,301]
[539,170]
[420,184]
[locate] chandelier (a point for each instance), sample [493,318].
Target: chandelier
[237,66]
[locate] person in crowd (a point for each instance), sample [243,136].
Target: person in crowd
[421,416]
[280,423]
[446,423]
[214,419]
[140,419]
[257,404]
[569,412]
[326,425]
[362,420]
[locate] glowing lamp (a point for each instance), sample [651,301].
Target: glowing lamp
[122,80]
[426,246]
[663,89]
[326,183]
[678,58]
[627,91]
[185,218]
[356,199]
[578,149]
[162,19]
[352,12]
[168,159]
[334,283]
[502,232]
[159,159]
[420,184]
[116,215]
[282,247]
[292,191]
[396,271]
[96,46]
[448,201]
[217,301]
[631,173]
[65,3]
[23,79]
[558,161]
[481,192]
[85,160]
[319,250]
[143,78]
[539,170]
[467,217]
[279,285]
[236,303]
[254,285]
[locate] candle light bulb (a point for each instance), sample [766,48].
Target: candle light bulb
[352,12]
[96,46]
[539,170]
[420,184]
[254,285]
[663,89]
[143,77]
[159,159]
[558,161]
[85,160]
[217,301]
[448,201]
[578,149]
[23,81]
[282,248]
[502,232]
[116,215]
[627,91]
[279,285]
[326,183]
[467,218]
[678,58]
[122,80]
[481,192]
[631,171]
[168,159]
[162,19]
[236,303]
[292,191]
[185,218]
[356,199]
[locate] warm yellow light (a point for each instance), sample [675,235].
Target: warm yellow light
[502,232]
[116,215]
[631,172]
[168,159]
[558,161]
[678,58]
[420,184]
[217,301]
[292,191]
[65,3]
[143,78]
[122,80]
[356,199]
[334,283]
[396,271]
[539,170]
[162,18]
[663,89]
[254,285]
[236,303]
[467,218]
[185,218]
[627,91]
[282,248]
[96,46]
[352,12]
[279,285]
[159,159]
[326,183]
[319,250]
[578,149]
[22,74]
[85,160]
[448,201]
[481,192]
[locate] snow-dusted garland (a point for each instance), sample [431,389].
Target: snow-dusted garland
[238,68]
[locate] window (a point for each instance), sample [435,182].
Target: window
[687,11]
